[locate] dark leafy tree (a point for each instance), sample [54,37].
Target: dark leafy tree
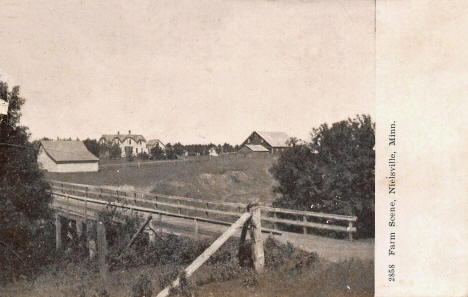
[157,153]
[110,151]
[334,173]
[93,146]
[24,198]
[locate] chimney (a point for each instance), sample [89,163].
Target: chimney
[129,132]
[118,132]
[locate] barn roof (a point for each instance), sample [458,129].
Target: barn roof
[122,137]
[67,151]
[275,139]
[256,147]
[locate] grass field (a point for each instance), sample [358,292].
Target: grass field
[351,278]
[223,179]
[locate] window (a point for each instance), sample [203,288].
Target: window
[248,140]
[136,150]
[129,141]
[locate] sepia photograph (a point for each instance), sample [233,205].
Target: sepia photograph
[187,148]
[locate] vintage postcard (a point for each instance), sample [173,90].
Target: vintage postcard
[233,148]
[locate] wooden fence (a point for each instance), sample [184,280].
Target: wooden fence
[87,200]
[189,159]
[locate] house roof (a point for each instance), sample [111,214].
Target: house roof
[153,142]
[123,137]
[256,147]
[67,151]
[275,139]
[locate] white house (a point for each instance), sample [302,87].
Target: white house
[130,144]
[212,152]
[66,156]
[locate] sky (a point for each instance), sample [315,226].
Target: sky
[188,71]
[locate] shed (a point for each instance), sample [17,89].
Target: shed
[66,156]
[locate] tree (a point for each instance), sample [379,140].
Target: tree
[157,153]
[110,150]
[24,198]
[334,173]
[93,146]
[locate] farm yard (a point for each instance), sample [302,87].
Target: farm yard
[217,179]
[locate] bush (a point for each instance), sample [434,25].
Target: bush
[186,287]
[142,287]
[143,156]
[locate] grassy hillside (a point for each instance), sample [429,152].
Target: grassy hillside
[235,180]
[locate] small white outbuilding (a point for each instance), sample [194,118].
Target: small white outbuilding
[66,156]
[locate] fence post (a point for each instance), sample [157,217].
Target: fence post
[68,204]
[79,227]
[196,229]
[58,232]
[102,250]
[256,232]
[304,227]
[275,225]
[91,239]
[350,233]
[207,207]
[86,209]
[178,203]
[152,235]
[86,203]
[160,223]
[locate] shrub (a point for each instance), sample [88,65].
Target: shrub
[186,287]
[143,156]
[142,287]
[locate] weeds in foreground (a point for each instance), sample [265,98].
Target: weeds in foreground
[289,271]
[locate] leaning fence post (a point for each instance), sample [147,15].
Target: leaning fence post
[256,232]
[102,250]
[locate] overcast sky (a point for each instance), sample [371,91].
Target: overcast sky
[189,71]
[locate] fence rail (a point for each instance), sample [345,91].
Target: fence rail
[275,220]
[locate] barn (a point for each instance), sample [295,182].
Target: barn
[274,142]
[66,156]
[253,149]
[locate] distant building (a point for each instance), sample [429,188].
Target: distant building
[66,156]
[152,143]
[274,142]
[212,152]
[130,144]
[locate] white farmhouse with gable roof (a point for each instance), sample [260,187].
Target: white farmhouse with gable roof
[130,144]
[66,156]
